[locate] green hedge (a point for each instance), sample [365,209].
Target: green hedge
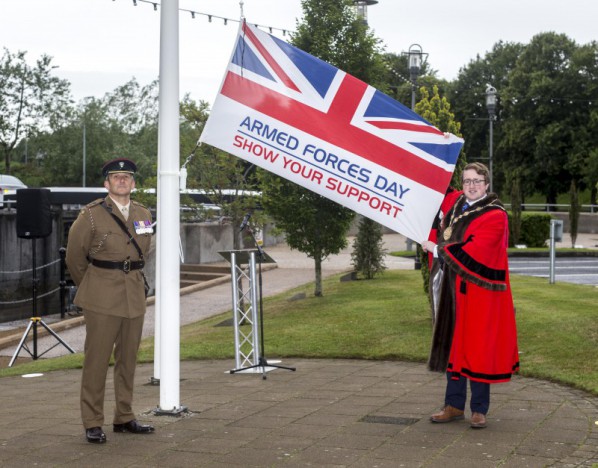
[535,229]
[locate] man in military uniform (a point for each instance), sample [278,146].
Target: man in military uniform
[106,263]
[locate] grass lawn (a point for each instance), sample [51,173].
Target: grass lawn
[388,318]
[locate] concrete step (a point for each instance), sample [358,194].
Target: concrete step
[222,269]
[199,276]
[196,274]
[192,274]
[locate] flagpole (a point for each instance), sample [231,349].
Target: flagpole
[155,379]
[169,209]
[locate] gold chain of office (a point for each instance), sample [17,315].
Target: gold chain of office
[449,230]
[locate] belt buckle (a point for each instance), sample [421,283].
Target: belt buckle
[127,266]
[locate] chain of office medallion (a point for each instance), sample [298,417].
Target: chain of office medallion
[449,230]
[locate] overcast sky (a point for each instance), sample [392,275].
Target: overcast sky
[101,44]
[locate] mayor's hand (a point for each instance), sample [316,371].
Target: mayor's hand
[428,246]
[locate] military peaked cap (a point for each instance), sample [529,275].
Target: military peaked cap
[119,165]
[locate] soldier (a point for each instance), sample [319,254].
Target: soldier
[106,263]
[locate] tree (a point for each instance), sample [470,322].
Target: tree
[132,110]
[591,176]
[124,123]
[135,107]
[546,113]
[31,100]
[331,31]
[515,224]
[396,79]
[313,224]
[467,96]
[437,111]
[62,149]
[367,257]
[582,160]
[546,120]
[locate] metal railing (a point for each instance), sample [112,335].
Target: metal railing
[554,207]
[66,292]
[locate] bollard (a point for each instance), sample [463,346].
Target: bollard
[556,235]
[62,252]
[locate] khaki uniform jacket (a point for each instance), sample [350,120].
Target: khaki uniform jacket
[95,234]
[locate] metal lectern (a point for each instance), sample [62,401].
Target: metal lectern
[245,308]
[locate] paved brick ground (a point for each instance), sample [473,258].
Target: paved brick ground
[326,413]
[329,413]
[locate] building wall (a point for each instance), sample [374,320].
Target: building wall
[16,270]
[588,222]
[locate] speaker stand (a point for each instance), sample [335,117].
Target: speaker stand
[35,321]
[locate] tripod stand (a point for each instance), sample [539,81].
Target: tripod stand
[262,361]
[35,321]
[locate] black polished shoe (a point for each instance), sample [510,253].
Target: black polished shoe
[134,427]
[95,435]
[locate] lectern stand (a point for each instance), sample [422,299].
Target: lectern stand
[245,307]
[248,326]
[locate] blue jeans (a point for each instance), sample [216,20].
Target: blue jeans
[456,394]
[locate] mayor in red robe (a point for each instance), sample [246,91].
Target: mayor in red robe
[475,335]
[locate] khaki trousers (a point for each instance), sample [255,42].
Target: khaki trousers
[106,333]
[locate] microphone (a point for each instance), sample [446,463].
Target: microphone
[245,222]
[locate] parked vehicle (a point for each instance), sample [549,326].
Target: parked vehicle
[9,184]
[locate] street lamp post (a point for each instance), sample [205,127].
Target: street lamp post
[361,8]
[84,154]
[491,106]
[415,58]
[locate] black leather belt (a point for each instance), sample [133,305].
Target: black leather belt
[125,266]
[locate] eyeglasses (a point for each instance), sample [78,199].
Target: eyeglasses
[474,181]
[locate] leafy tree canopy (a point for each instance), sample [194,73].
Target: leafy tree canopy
[31,100]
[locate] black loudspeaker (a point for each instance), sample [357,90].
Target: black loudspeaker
[34,218]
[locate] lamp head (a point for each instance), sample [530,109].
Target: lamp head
[491,99]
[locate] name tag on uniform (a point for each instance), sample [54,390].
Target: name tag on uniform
[143,227]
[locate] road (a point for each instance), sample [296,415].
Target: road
[579,270]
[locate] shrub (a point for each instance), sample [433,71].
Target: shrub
[535,229]
[368,252]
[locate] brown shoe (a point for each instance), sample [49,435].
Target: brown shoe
[447,414]
[478,420]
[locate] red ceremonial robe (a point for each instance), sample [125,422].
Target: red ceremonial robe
[475,333]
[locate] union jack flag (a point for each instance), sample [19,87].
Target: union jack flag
[305,120]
